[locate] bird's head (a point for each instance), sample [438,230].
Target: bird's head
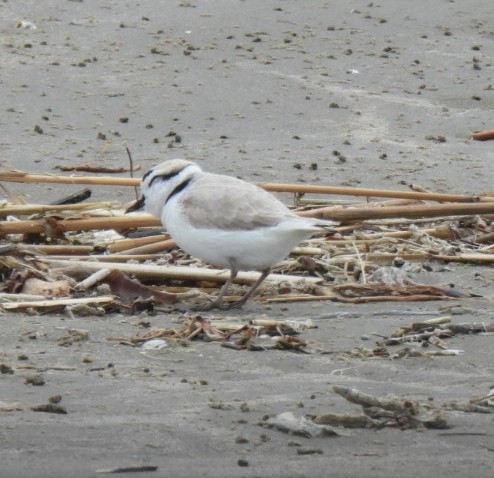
[160,182]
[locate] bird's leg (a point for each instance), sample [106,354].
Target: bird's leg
[217,303]
[250,292]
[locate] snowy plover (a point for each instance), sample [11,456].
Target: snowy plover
[223,220]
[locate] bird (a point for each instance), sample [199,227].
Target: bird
[223,220]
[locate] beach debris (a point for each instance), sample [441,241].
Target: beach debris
[277,335]
[54,305]
[128,469]
[377,412]
[26,24]
[6,369]
[483,135]
[346,420]
[380,292]
[73,336]
[36,380]
[53,289]
[394,411]
[89,168]
[129,290]
[154,344]
[49,408]
[288,422]
[53,250]
[427,334]
[73,198]
[11,407]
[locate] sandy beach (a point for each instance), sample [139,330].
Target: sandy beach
[347,93]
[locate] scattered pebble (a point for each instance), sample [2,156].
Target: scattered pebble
[36,380]
[49,408]
[309,451]
[6,369]
[241,440]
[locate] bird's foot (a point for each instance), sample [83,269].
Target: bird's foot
[218,306]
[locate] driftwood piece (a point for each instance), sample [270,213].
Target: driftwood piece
[377,292]
[430,332]
[346,421]
[395,411]
[355,396]
[89,168]
[419,326]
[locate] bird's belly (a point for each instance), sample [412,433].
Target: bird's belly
[255,249]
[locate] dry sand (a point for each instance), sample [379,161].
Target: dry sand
[263,90]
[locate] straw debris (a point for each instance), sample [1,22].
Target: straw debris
[371,257]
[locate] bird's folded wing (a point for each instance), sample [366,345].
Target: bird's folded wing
[222,202]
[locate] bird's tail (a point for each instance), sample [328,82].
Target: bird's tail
[326,225]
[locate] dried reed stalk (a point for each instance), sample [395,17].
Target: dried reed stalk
[440,232]
[391,298]
[298,298]
[335,213]
[85,224]
[27,209]
[422,210]
[349,191]
[101,300]
[129,243]
[55,249]
[154,248]
[108,257]
[474,258]
[483,135]
[21,177]
[176,273]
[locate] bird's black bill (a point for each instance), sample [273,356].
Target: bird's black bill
[139,204]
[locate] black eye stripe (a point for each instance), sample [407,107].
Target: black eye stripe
[146,175]
[163,177]
[178,188]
